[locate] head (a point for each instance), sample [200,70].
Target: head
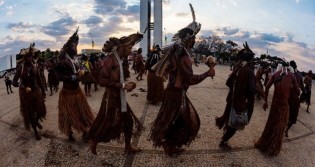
[293,64]
[27,53]
[84,57]
[122,45]
[310,72]
[139,51]
[71,46]
[246,54]
[187,37]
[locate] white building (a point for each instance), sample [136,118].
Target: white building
[158,23]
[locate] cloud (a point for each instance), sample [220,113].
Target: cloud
[12,46]
[10,10]
[118,8]
[228,30]
[1,3]
[21,27]
[271,37]
[108,29]
[182,14]
[297,1]
[92,20]
[60,27]
[109,6]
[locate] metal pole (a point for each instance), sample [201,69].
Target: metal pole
[149,31]
[165,38]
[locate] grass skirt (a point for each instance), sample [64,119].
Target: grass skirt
[32,106]
[155,88]
[111,123]
[52,78]
[271,138]
[177,122]
[87,78]
[74,111]
[294,107]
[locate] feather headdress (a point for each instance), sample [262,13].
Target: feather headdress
[166,51]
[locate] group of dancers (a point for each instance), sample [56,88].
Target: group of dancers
[177,122]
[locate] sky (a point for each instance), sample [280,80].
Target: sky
[285,27]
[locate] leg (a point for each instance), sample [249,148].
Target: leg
[89,89]
[308,105]
[95,86]
[286,131]
[128,125]
[85,89]
[10,88]
[229,133]
[93,145]
[34,122]
[7,89]
[71,138]
[51,89]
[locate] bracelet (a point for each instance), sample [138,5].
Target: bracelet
[123,85]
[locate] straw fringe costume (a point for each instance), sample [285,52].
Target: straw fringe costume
[177,122]
[115,118]
[155,83]
[74,110]
[271,138]
[111,122]
[31,92]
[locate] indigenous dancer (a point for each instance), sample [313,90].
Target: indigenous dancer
[115,116]
[74,111]
[294,98]
[259,76]
[87,78]
[177,122]
[241,96]
[155,83]
[139,65]
[308,88]
[8,84]
[271,138]
[53,81]
[31,91]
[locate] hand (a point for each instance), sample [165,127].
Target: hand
[211,72]
[28,89]
[265,106]
[130,86]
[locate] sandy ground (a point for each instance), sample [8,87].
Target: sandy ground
[19,147]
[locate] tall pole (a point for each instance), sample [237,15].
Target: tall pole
[267,48]
[165,38]
[92,41]
[149,30]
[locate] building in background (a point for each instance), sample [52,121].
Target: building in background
[155,25]
[89,51]
[7,62]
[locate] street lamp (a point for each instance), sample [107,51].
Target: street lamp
[267,48]
[92,41]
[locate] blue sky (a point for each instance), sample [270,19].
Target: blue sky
[288,25]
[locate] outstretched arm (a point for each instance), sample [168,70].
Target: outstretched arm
[187,72]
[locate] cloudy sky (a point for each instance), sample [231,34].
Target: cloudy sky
[286,27]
